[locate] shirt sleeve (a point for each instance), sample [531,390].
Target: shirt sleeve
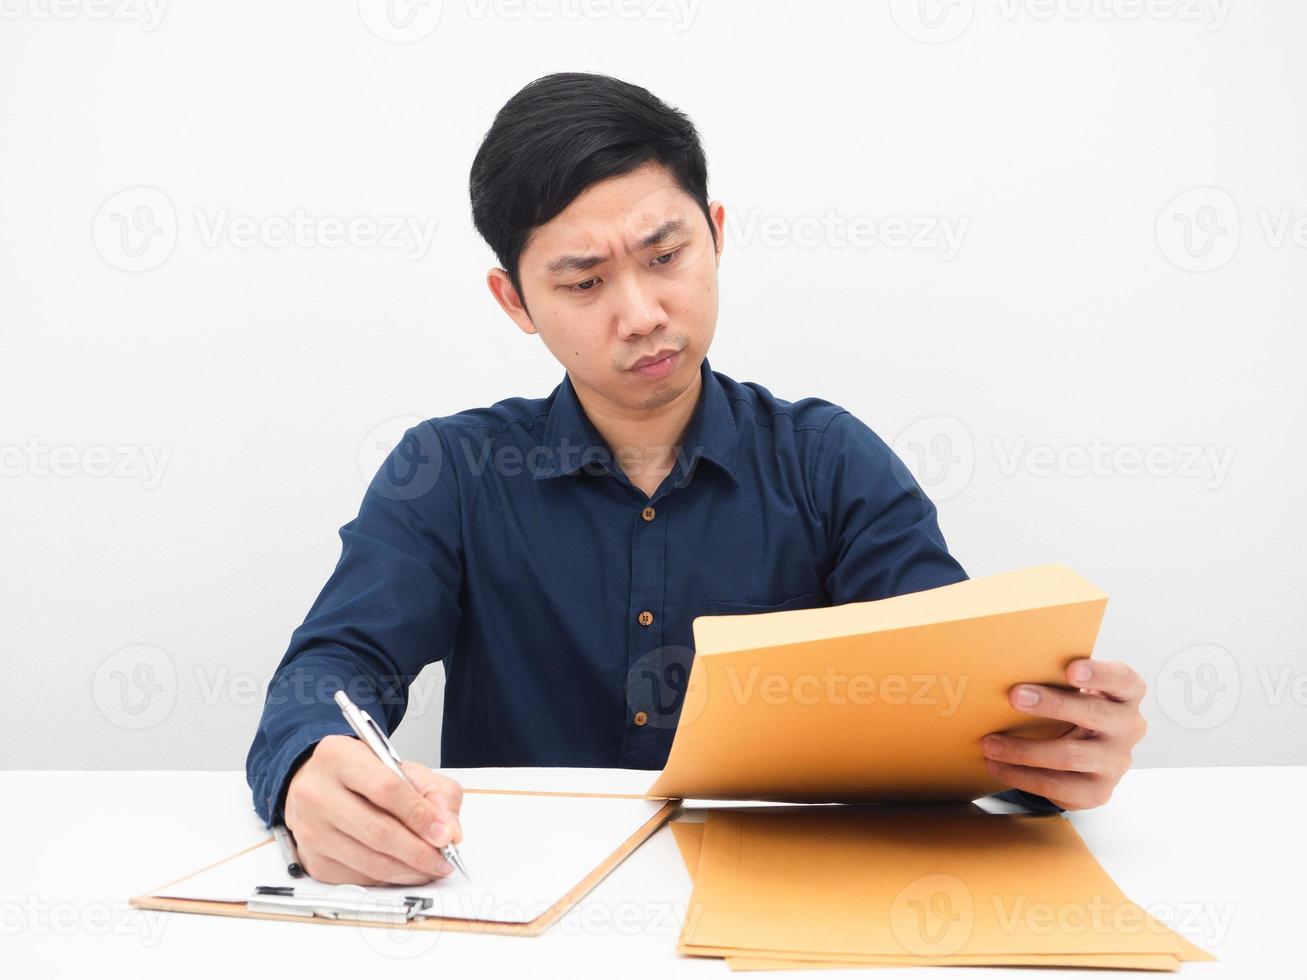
[1030,801]
[882,531]
[389,608]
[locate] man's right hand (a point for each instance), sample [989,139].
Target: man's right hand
[356,822]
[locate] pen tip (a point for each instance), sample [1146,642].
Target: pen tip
[457,862]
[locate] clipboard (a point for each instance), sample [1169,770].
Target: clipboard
[390,907]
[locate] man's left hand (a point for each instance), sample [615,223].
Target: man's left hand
[1080,769]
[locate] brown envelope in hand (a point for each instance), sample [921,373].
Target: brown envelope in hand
[882,701]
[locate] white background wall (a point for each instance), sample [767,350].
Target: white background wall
[1073,378]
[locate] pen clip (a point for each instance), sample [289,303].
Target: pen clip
[381,736]
[367,729]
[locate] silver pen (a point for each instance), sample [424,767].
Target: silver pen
[370,733]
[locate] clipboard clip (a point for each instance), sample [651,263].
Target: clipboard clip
[282,900]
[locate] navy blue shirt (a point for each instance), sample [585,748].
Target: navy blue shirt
[508,543]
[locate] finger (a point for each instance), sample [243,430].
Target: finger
[1086,710]
[321,868]
[1063,754]
[382,868]
[1113,678]
[1069,790]
[369,778]
[432,784]
[446,794]
[377,829]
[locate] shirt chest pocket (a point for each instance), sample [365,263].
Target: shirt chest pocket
[727,607]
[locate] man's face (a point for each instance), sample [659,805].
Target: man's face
[626,271]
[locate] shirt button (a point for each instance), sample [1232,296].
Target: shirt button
[648,513]
[645,618]
[640,717]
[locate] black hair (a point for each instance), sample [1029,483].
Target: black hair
[560,134]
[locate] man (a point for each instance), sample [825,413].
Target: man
[554,551]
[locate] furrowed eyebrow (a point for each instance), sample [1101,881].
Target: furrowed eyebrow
[579,263]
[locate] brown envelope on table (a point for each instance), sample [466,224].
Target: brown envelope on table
[887,701]
[689,838]
[882,701]
[871,886]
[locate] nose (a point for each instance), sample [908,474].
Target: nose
[639,311]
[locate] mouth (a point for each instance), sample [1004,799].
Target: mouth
[656,365]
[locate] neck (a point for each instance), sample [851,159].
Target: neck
[643,441]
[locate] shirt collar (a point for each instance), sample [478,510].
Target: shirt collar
[573,442]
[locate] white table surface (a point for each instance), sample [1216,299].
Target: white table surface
[1218,853]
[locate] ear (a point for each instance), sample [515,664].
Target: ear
[501,287]
[717,211]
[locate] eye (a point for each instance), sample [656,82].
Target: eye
[589,284]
